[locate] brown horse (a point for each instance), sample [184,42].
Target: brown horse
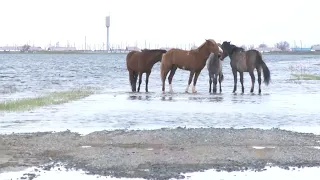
[139,62]
[245,61]
[192,60]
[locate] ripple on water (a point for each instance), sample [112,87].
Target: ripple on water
[284,103]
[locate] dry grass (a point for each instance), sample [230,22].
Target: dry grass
[49,99]
[306,76]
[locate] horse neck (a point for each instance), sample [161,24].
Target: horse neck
[154,58]
[203,53]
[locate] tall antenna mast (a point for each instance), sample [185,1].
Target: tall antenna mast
[108,25]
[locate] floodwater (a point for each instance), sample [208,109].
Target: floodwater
[285,103]
[270,173]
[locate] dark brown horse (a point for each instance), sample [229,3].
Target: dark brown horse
[193,61]
[245,61]
[214,65]
[139,62]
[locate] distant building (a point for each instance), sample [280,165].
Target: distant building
[268,49]
[35,48]
[132,48]
[300,49]
[315,48]
[53,48]
[10,48]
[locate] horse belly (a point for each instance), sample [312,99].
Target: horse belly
[242,66]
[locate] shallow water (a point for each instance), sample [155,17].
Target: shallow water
[285,103]
[270,173]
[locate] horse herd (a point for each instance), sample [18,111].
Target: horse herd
[209,53]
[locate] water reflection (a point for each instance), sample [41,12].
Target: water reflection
[206,98]
[140,97]
[169,98]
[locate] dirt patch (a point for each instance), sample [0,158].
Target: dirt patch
[163,153]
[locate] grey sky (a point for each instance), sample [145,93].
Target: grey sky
[159,22]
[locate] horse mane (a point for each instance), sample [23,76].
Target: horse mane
[154,50]
[213,41]
[235,48]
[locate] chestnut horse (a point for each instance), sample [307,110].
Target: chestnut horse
[192,60]
[139,62]
[245,61]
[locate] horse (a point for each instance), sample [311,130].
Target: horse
[214,65]
[245,61]
[139,62]
[190,60]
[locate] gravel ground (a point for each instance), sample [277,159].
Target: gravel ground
[163,153]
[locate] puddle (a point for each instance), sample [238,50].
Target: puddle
[261,147]
[55,173]
[269,173]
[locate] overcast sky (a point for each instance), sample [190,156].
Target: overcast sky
[162,22]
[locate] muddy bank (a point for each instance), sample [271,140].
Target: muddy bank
[163,153]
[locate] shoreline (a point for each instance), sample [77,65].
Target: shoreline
[162,153]
[124,53]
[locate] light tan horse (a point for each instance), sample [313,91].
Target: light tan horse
[192,60]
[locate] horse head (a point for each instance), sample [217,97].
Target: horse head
[227,49]
[213,47]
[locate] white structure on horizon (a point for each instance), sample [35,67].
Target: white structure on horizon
[108,25]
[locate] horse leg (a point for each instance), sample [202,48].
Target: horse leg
[135,78]
[259,79]
[147,79]
[241,81]
[252,81]
[164,73]
[195,82]
[172,71]
[234,71]
[215,79]
[131,79]
[140,80]
[210,82]
[190,80]
[220,80]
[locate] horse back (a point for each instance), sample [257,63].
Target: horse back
[214,64]
[132,58]
[183,59]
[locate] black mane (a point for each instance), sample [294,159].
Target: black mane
[235,48]
[231,48]
[154,50]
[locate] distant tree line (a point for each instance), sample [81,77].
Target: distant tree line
[282,45]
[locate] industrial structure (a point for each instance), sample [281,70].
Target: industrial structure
[108,26]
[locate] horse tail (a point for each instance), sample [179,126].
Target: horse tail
[266,71]
[222,76]
[162,68]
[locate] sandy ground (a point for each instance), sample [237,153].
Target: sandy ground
[161,154]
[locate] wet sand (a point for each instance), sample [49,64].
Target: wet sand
[163,153]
